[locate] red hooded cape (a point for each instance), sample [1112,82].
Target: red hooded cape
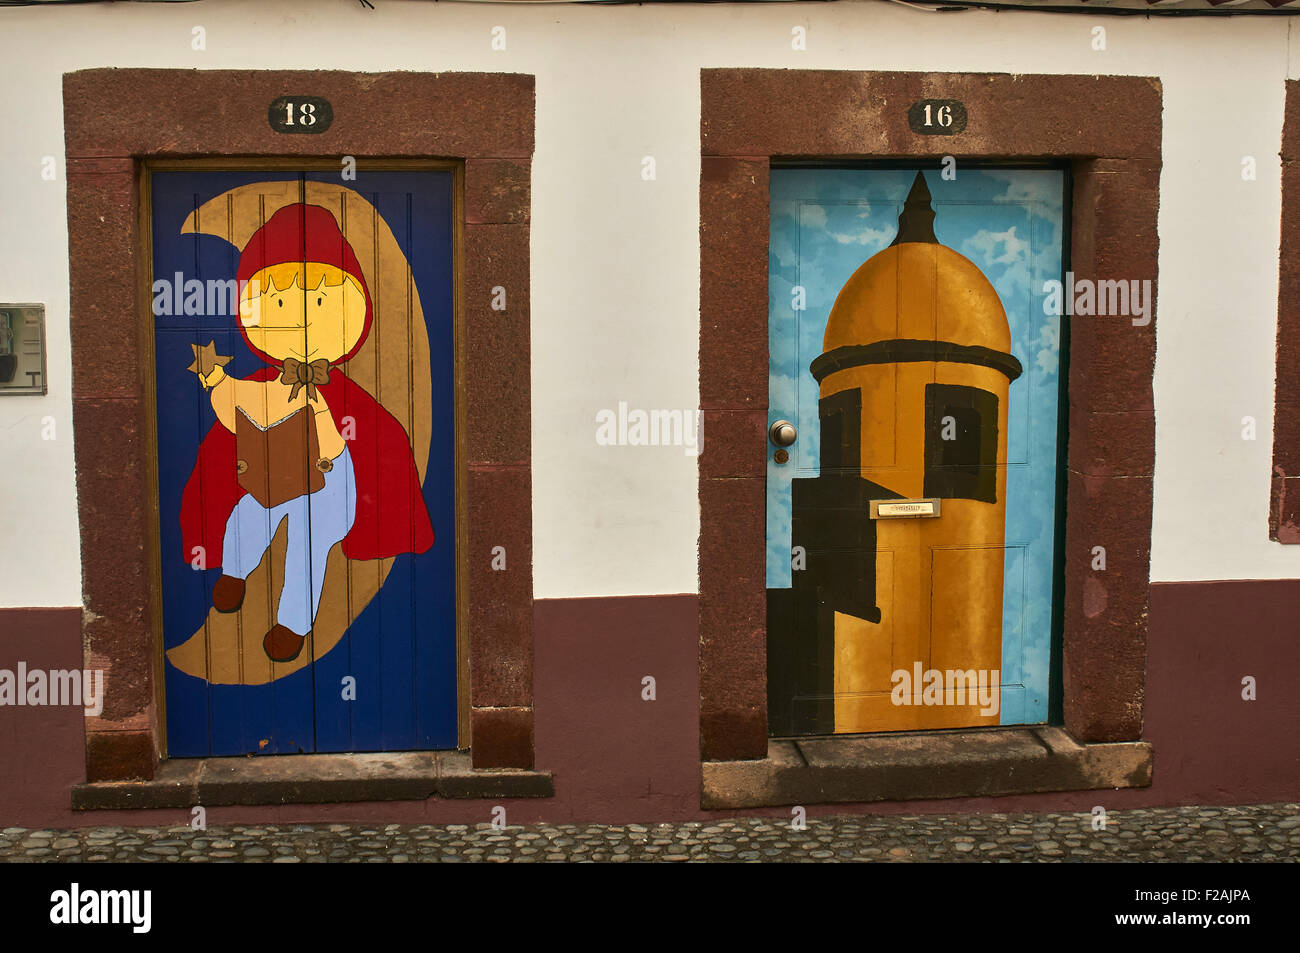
[391,516]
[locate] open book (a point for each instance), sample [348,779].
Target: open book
[278,463]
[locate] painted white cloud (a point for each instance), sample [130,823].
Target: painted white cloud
[812,216]
[867,236]
[983,245]
[1047,347]
[783,251]
[1027,189]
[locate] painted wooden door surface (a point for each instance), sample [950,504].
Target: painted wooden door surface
[911,348]
[304,364]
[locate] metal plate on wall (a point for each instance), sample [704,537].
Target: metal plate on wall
[22,349]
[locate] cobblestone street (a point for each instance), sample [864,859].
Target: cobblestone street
[1254,833]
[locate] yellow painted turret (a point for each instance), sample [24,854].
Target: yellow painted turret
[919,333]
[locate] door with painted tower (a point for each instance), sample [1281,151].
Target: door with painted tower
[913,470]
[304,390]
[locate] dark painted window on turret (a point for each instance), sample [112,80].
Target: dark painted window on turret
[961,443]
[841,431]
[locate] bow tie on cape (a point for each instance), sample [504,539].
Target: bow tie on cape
[298,374]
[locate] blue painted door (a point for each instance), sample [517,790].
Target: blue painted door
[912,523]
[304,364]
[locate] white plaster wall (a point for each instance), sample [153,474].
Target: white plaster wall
[615,260]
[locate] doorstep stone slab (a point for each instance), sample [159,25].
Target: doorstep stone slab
[458,778]
[318,779]
[173,786]
[312,779]
[923,766]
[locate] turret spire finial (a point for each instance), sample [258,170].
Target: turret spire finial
[916,224]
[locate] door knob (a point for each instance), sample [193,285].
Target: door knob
[782,433]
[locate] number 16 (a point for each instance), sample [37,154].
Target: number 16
[943,114]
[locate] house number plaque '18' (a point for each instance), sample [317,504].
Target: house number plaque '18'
[300,114]
[937,117]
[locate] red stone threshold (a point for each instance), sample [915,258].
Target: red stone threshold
[313,779]
[911,766]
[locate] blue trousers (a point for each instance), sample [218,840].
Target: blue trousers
[316,522]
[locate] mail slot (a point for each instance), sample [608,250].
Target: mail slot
[903,509]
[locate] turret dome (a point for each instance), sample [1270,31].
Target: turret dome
[917,289]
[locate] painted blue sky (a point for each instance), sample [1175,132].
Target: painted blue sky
[827,222]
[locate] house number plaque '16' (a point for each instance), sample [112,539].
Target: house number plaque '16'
[937,117]
[300,114]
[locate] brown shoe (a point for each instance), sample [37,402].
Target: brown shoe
[282,645]
[228,594]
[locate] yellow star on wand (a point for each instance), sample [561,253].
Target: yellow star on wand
[206,359]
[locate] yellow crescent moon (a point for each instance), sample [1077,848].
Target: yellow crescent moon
[392,365]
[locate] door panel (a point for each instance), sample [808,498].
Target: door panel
[910,347]
[360,552]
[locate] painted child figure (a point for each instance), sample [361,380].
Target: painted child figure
[278,450]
